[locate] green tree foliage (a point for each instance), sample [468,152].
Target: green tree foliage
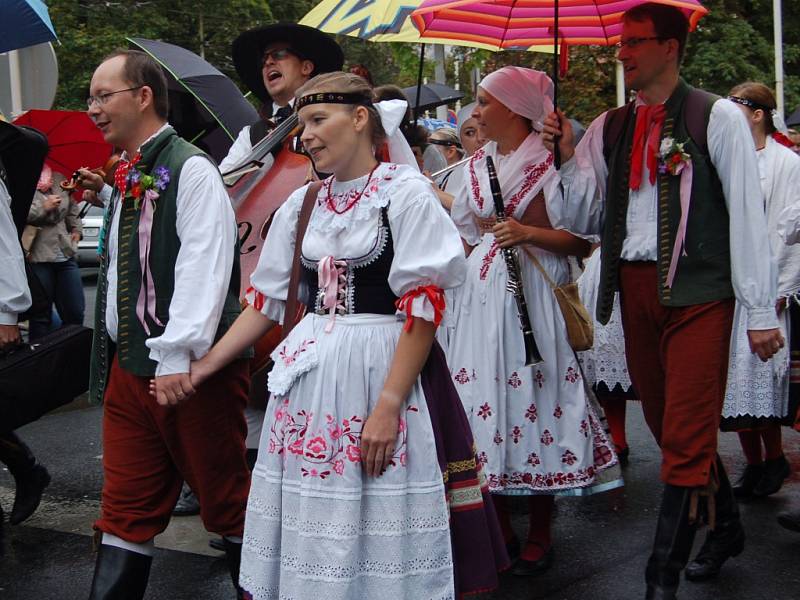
[732,44]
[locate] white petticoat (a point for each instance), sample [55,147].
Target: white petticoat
[315,525]
[756,388]
[533,426]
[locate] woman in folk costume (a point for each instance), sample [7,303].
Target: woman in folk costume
[535,431]
[757,393]
[605,365]
[348,499]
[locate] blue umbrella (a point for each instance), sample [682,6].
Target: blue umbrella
[24,23]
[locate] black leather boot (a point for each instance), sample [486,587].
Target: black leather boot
[233,555]
[727,538]
[744,486]
[31,477]
[672,546]
[120,574]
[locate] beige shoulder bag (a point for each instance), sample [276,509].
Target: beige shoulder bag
[580,327]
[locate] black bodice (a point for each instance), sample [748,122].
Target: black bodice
[366,288]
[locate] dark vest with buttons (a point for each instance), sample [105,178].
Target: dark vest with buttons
[170,151]
[367,289]
[703,272]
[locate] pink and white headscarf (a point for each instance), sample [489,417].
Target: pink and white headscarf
[526,92]
[45,179]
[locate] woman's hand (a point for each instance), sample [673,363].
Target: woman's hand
[379,436]
[510,233]
[75,236]
[200,370]
[92,198]
[51,202]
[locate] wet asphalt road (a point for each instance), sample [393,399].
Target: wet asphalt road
[601,542]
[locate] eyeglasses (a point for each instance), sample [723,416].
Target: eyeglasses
[276,55]
[634,42]
[101,99]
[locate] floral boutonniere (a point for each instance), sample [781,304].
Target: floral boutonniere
[672,157]
[148,186]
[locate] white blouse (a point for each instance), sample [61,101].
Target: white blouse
[427,247]
[730,146]
[15,297]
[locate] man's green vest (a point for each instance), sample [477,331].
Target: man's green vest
[703,272]
[170,151]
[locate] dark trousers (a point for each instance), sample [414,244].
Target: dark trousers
[62,283]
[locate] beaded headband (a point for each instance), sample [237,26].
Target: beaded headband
[333,98]
[751,104]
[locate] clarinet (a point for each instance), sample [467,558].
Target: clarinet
[514,284]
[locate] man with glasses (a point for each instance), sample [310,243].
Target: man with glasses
[273,62]
[168,287]
[669,181]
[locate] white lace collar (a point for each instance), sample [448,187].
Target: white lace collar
[340,194]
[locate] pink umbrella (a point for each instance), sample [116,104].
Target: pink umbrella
[521,24]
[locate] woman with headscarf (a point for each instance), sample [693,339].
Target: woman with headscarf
[536,432]
[467,129]
[350,495]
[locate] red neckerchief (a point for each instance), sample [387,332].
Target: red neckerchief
[121,174]
[646,138]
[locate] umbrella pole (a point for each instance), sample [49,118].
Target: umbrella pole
[419,82]
[556,149]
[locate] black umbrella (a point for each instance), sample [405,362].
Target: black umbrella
[793,119]
[431,95]
[205,106]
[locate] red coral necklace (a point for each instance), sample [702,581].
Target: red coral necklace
[351,203]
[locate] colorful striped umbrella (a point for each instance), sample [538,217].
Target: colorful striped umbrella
[520,24]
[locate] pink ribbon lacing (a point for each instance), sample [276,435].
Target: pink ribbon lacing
[332,280]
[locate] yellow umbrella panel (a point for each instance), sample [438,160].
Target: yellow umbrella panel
[377,21]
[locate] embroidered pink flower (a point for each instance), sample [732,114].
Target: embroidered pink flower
[568,458]
[482,458]
[572,375]
[514,381]
[533,459]
[403,458]
[353,453]
[532,414]
[335,432]
[539,379]
[338,467]
[602,455]
[296,447]
[317,445]
[527,478]
[516,434]
[584,428]
[547,437]
[272,446]
[487,261]
[558,413]
[462,376]
[498,439]
[485,411]
[401,425]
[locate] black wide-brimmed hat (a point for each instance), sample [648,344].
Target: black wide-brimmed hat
[311,44]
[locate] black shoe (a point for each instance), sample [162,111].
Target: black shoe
[31,478]
[530,568]
[790,520]
[672,544]
[744,486]
[775,471]
[217,544]
[725,541]
[187,504]
[120,574]
[623,456]
[233,556]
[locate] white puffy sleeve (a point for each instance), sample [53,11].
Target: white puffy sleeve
[461,213]
[789,224]
[428,255]
[269,283]
[583,178]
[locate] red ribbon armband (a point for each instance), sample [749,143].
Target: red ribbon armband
[435,296]
[257,298]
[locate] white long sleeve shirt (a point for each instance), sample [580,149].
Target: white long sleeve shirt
[242,147]
[15,297]
[732,152]
[206,228]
